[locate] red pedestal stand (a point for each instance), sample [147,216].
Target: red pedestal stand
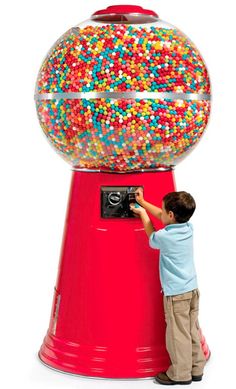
[107,317]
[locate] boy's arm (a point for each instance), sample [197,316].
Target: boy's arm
[155,211]
[147,224]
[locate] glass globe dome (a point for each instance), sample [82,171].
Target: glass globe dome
[123,91]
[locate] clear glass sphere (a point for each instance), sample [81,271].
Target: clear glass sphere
[123,92]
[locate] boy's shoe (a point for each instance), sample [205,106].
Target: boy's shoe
[197,377]
[163,379]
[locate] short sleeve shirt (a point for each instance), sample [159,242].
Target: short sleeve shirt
[177,270]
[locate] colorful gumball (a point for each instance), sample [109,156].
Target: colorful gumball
[123,97]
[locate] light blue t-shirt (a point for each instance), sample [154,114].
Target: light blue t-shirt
[177,270]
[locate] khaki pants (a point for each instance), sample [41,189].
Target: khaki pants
[182,336]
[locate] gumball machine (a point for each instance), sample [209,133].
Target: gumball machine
[122,97]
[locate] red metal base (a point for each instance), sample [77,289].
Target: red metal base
[107,317]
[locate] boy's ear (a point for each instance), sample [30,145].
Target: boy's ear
[171,214]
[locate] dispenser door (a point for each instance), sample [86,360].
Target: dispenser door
[115,201]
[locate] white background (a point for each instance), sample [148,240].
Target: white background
[35,183]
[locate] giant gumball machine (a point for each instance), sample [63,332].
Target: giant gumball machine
[122,97]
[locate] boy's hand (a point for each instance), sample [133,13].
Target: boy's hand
[141,212]
[137,209]
[139,195]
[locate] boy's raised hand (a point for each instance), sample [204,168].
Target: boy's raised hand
[139,195]
[137,209]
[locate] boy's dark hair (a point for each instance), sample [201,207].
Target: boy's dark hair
[182,204]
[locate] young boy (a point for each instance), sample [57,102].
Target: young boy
[179,284]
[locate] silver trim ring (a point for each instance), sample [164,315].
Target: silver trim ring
[96,16]
[153,170]
[122,95]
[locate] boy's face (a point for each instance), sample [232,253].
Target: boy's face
[167,217]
